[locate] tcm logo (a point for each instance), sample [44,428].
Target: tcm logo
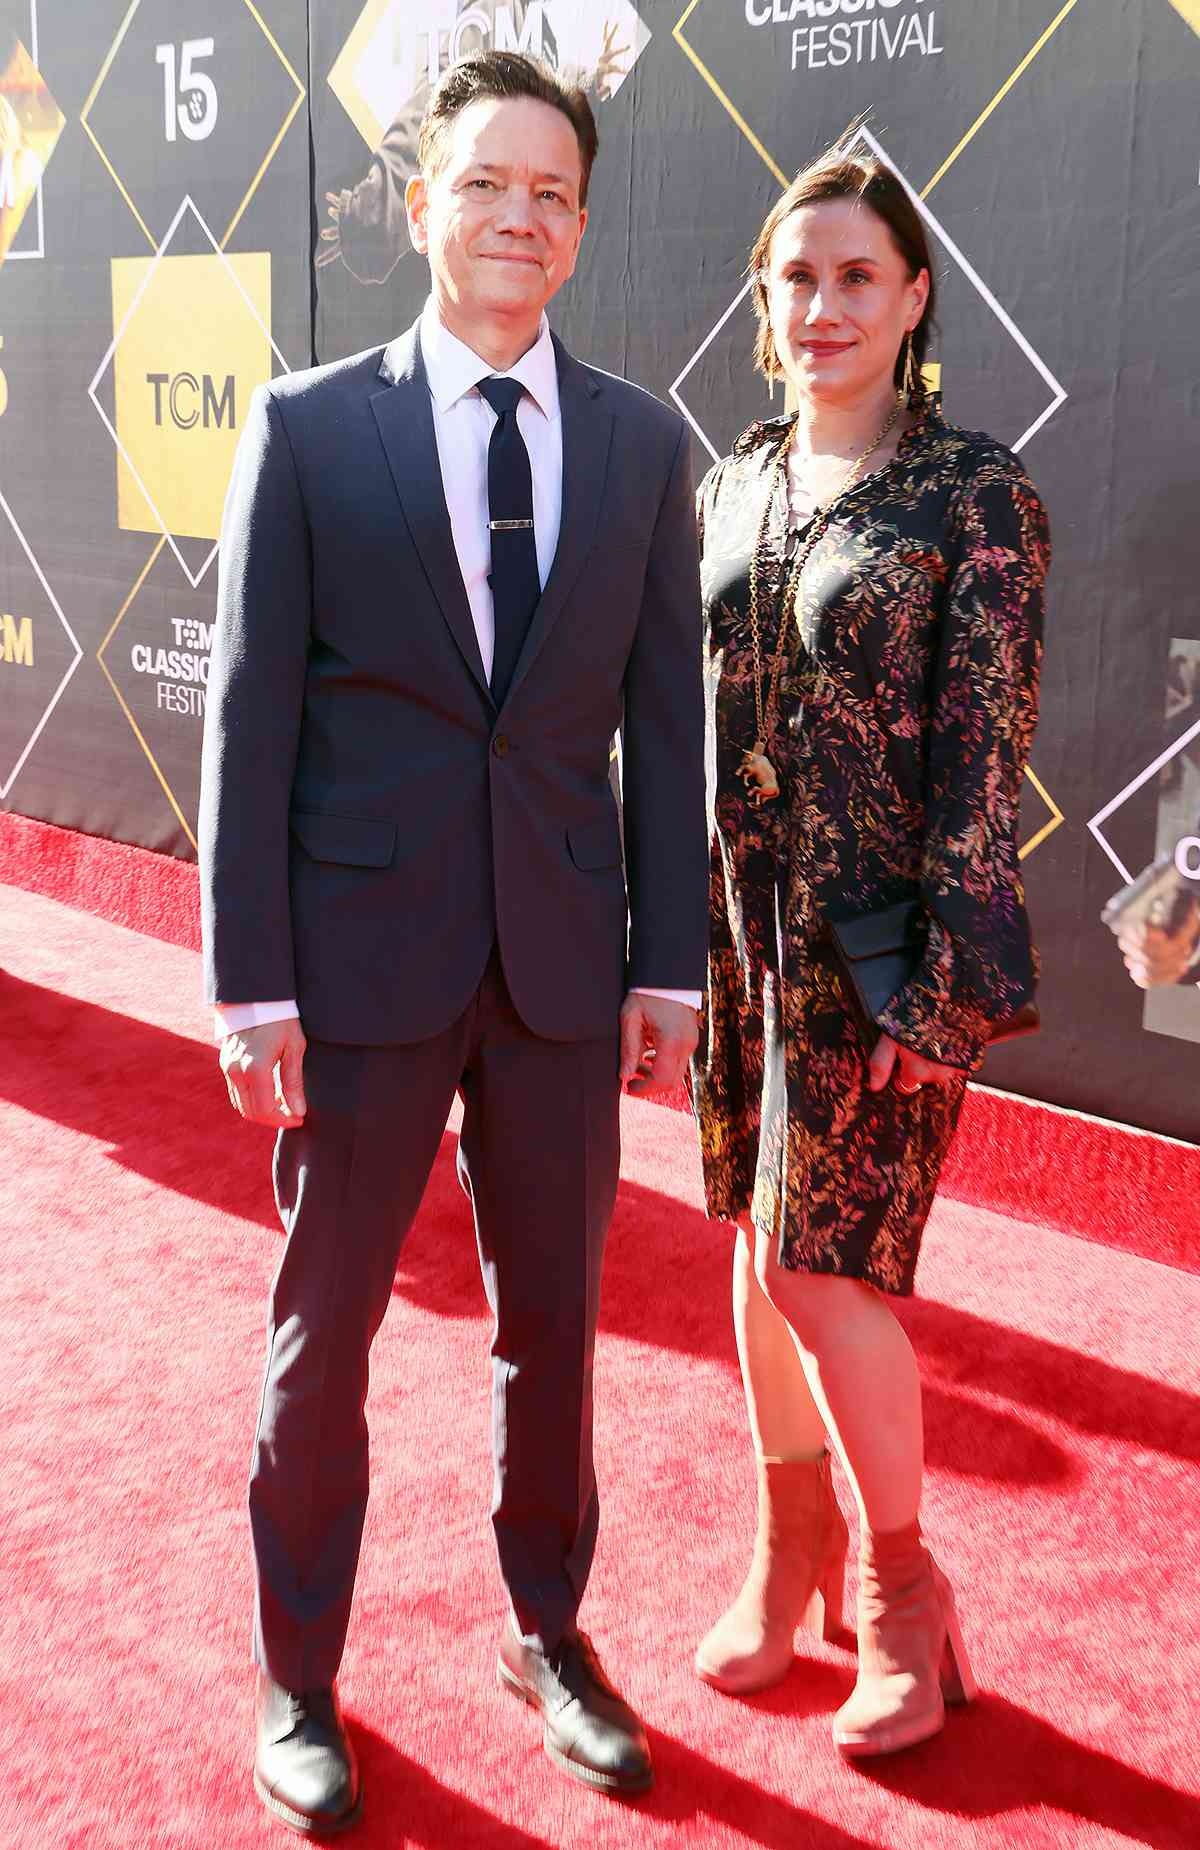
[16,641]
[475,30]
[192,341]
[189,401]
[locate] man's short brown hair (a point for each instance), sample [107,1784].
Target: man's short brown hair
[504,74]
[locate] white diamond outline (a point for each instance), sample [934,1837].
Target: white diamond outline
[57,695]
[701,350]
[1143,777]
[40,252]
[972,275]
[187,203]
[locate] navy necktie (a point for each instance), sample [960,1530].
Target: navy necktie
[514,579]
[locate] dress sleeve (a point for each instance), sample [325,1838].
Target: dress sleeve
[979,965]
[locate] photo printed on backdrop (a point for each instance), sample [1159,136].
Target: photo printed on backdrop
[1164,899]
[1175,1009]
[385,75]
[30,125]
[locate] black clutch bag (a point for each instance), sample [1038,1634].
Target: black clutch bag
[879,952]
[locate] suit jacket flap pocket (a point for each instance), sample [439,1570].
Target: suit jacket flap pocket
[356,841]
[898,928]
[595,844]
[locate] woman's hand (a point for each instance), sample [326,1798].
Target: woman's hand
[908,1071]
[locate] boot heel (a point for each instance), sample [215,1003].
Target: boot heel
[823,1616]
[958,1682]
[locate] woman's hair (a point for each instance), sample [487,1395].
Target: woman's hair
[862,176]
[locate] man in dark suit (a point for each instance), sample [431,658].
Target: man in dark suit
[451,570]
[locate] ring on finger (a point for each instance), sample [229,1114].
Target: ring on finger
[908,1091]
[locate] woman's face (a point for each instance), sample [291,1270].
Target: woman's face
[840,300]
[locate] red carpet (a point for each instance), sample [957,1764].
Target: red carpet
[138,1243]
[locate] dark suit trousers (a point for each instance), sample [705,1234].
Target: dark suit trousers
[539,1155]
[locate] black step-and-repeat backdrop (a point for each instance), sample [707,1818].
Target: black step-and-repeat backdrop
[196,195]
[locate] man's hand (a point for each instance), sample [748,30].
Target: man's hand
[908,1071]
[658,1039]
[1154,956]
[264,1071]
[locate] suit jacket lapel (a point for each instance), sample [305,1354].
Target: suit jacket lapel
[404,413]
[587,425]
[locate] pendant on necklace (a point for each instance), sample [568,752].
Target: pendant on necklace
[758,774]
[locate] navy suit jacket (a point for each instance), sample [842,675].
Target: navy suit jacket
[371,823]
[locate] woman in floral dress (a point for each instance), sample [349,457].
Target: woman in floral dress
[872,580]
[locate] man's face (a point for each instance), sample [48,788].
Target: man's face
[501,221]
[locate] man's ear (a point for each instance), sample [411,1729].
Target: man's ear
[416,205]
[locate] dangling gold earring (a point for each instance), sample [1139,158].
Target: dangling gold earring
[914,385]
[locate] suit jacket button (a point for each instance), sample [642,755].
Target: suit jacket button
[500,745]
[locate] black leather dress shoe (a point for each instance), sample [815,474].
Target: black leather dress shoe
[590,1731]
[305,1771]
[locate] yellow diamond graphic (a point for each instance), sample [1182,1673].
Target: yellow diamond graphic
[1054,816]
[192,340]
[184,351]
[397,49]
[30,125]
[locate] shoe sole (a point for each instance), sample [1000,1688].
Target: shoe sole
[871,1748]
[300,1822]
[609,1783]
[732,1686]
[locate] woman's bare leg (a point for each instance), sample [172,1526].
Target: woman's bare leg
[862,1379]
[785,1421]
[796,1569]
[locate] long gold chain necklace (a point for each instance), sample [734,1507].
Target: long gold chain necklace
[756,770]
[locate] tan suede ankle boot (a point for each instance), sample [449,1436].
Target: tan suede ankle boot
[911,1660]
[796,1577]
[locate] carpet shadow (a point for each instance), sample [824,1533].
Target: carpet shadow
[156,1099]
[689,1255]
[995,1758]
[692,1790]
[404,1804]
[1090,1395]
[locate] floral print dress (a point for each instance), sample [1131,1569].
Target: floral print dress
[907,706]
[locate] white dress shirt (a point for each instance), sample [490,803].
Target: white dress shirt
[463,422]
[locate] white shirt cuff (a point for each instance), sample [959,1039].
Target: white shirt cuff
[233,1017]
[691,998]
